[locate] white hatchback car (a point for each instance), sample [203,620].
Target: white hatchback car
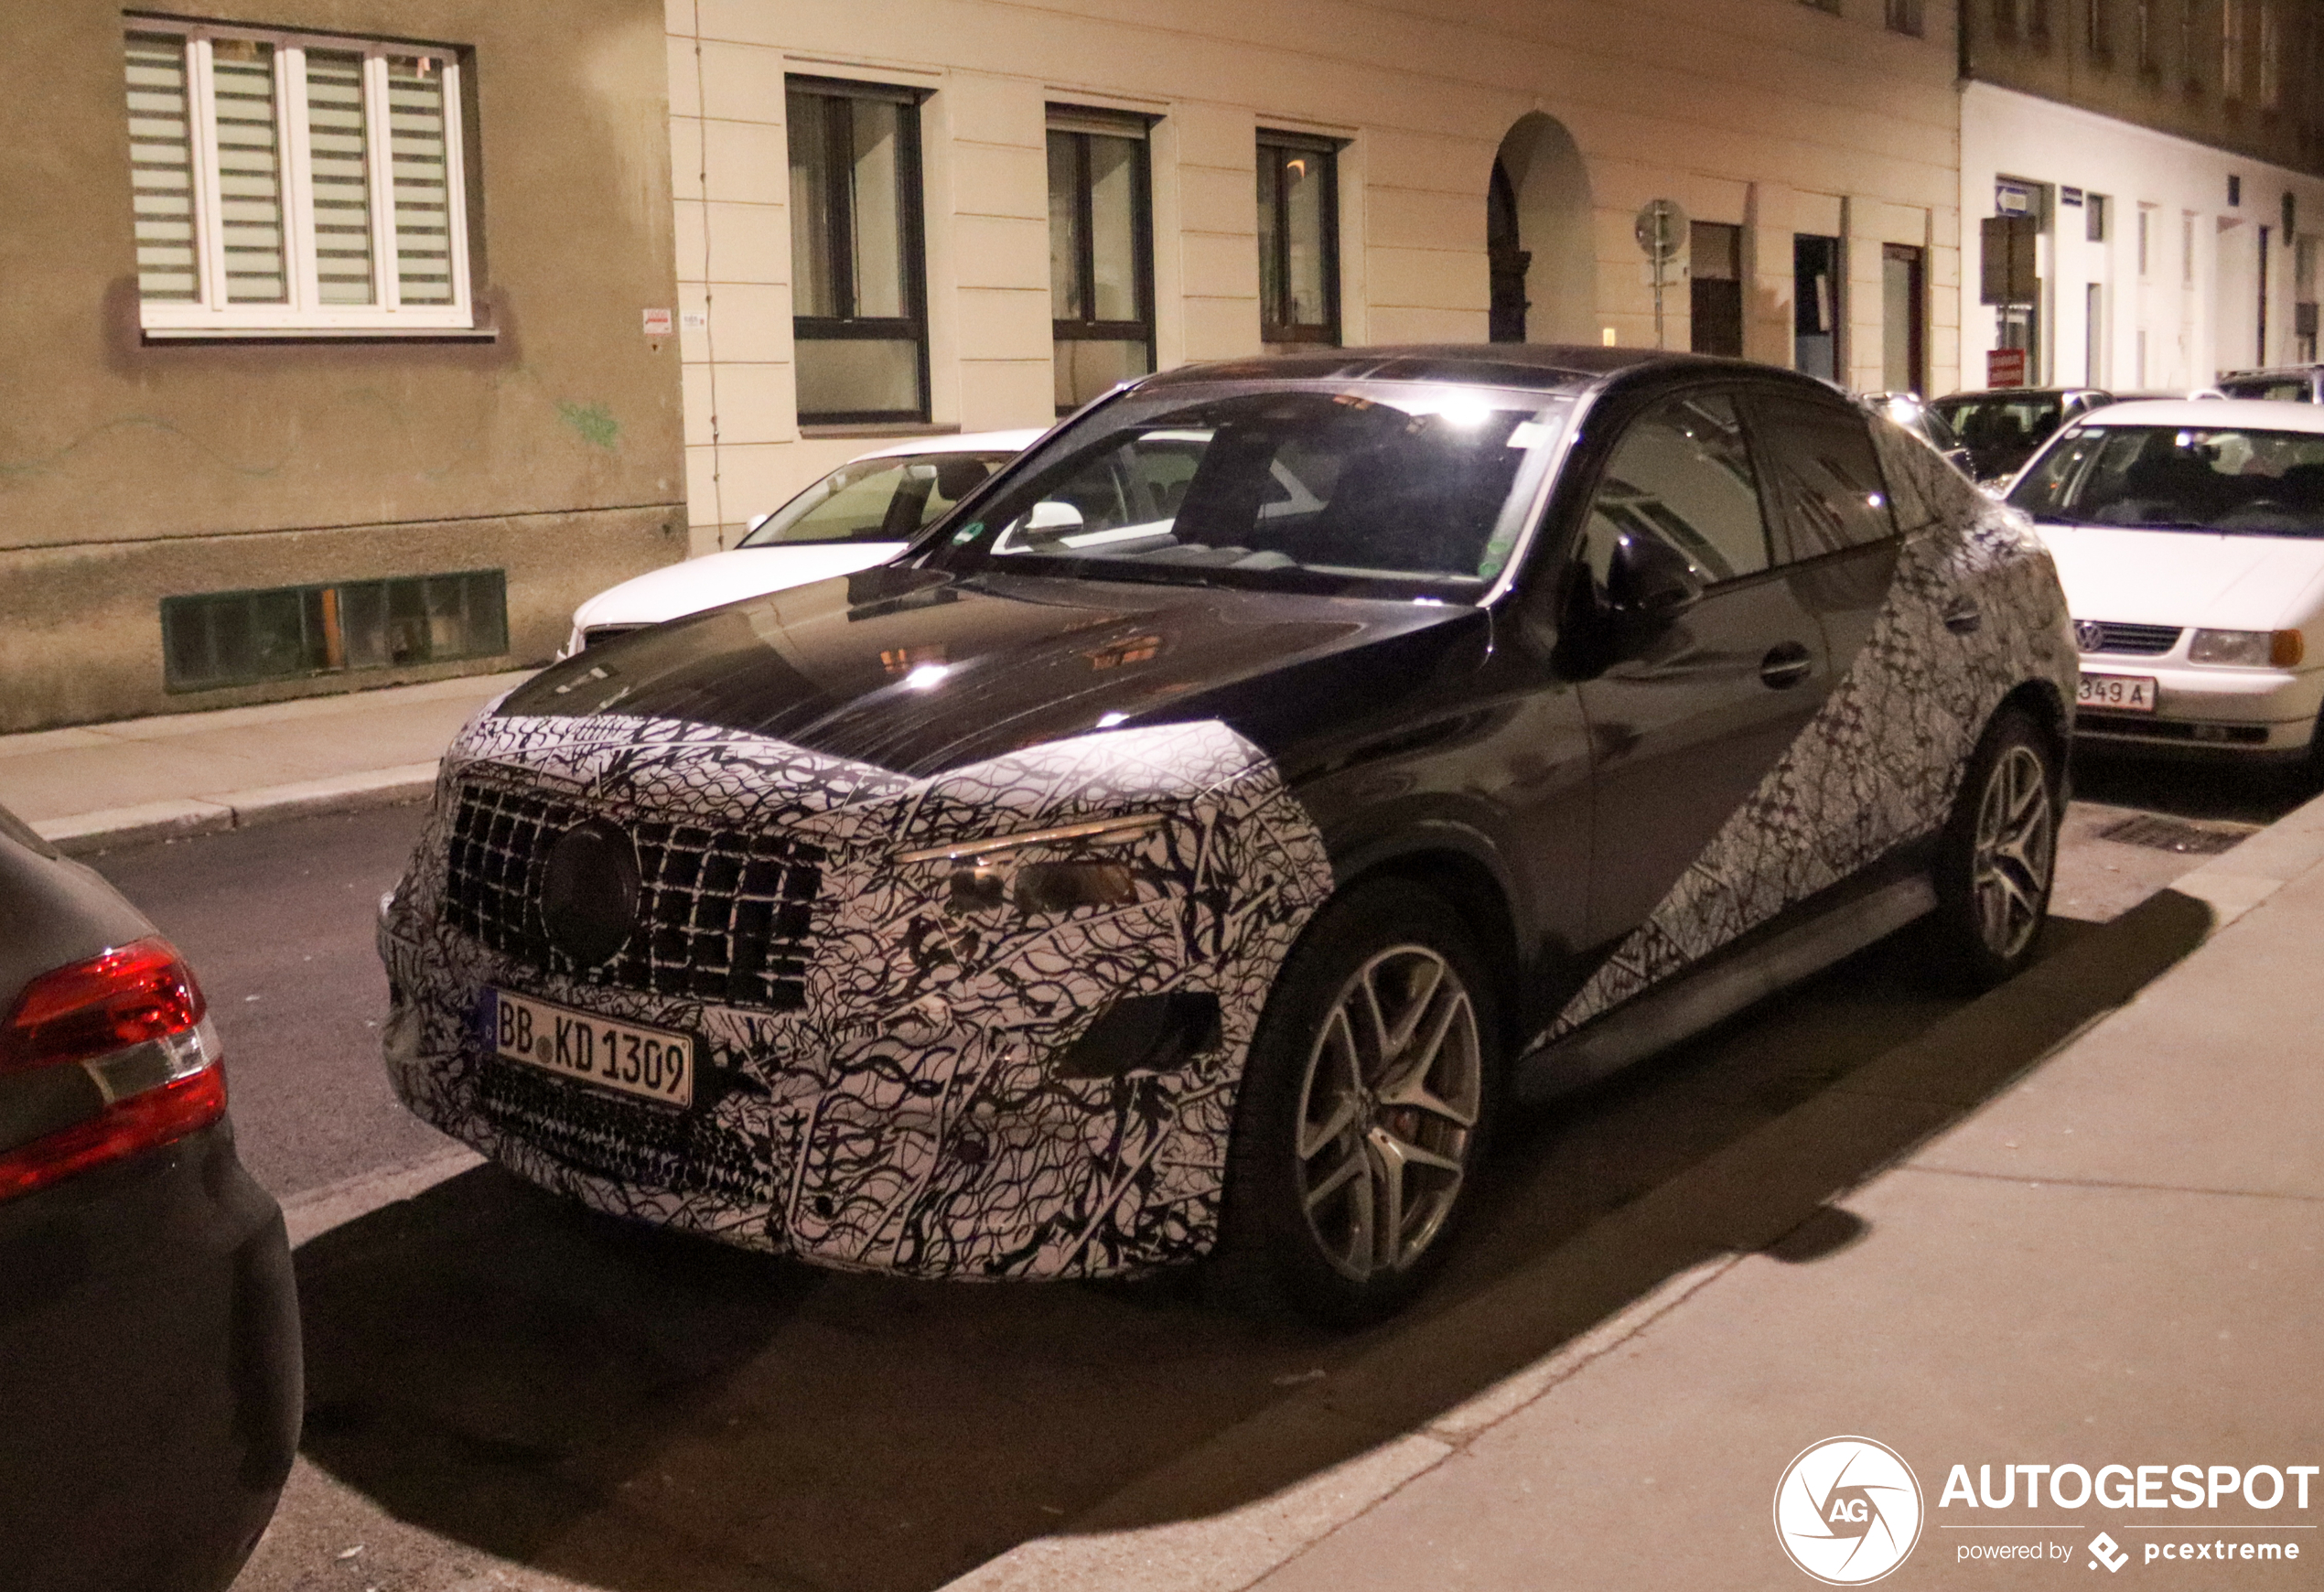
[861,514]
[2189,537]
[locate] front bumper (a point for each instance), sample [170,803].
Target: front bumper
[2255,715]
[910,1115]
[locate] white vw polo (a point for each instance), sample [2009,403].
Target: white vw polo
[861,514]
[2189,537]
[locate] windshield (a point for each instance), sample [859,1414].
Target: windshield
[2268,483]
[1402,487]
[2002,428]
[876,500]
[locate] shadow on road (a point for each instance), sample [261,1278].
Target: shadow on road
[640,1412]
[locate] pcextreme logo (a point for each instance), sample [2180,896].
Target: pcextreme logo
[1847,1511]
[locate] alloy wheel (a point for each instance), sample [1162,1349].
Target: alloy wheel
[2015,849]
[1388,1112]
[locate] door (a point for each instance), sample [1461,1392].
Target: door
[1904,338]
[1685,728]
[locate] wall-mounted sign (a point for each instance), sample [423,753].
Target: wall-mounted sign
[2015,198]
[658,323]
[2005,367]
[2070,196]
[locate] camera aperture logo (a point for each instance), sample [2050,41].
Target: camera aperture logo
[1847,1511]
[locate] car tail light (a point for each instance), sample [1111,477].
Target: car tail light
[135,1021]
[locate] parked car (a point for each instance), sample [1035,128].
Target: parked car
[2291,384]
[862,514]
[149,1343]
[1911,411]
[1159,861]
[2190,539]
[2002,427]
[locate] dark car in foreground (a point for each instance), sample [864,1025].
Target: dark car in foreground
[1189,845]
[149,1341]
[2004,427]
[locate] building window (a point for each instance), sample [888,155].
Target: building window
[1904,16]
[1831,5]
[2145,242]
[237,638]
[1816,306]
[2098,29]
[1101,252]
[2189,57]
[2037,19]
[285,183]
[2142,27]
[2187,249]
[1298,239]
[857,298]
[1904,326]
[2096,217]
[2231,48]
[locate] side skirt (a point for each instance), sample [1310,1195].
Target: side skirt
[1709,994]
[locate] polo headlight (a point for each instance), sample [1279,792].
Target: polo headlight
[2247,649]
[995,870]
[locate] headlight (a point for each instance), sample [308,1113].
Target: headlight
[2248,649]
[989,871]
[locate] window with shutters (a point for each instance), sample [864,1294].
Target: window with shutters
[289,184]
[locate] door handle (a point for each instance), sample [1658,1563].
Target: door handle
[1963,618]
[1785,665]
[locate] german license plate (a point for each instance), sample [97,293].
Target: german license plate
[652,1063]
[2117,692]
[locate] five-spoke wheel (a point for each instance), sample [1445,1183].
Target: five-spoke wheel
[1364,1109]
[1998,856]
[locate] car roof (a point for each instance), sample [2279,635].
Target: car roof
[2211,414]
[1982,393]
[2274,373]
[1540,367]
[958,442]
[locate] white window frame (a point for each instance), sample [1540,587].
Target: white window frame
[304,313]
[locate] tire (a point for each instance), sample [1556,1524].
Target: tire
[1407,1130]
[1997,858]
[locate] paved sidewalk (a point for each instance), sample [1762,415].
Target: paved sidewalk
[2112,1255]
[95,786]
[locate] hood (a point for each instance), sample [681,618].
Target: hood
[678,589]
[2190,578]
[919,671]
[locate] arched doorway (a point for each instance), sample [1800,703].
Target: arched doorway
[1538,237]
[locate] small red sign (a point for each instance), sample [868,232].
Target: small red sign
[2006,368]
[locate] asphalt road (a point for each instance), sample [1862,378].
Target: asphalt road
[505,1391]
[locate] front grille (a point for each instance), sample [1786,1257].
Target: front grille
[721,916]
[2139,640]
[623,1141]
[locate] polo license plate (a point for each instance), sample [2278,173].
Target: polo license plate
[651,1063]
[2117,692]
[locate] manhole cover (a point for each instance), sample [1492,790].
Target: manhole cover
[2176,834]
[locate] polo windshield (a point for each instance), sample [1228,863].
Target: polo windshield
[1384,487]
[2171,478]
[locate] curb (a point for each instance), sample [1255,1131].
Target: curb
[1395,1413]
[85,832]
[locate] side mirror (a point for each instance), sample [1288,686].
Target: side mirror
[1051,518]
[1650,583]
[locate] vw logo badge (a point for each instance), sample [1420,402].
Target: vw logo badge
[2088,635]
[589,892]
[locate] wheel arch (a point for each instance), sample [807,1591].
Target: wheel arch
[1461,870]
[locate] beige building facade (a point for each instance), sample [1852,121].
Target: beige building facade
[901,215]
[331,357]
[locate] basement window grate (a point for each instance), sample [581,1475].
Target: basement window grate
[2178,834]
[240,637]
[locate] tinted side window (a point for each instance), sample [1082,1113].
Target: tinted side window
[1682,474]
[1828,480]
